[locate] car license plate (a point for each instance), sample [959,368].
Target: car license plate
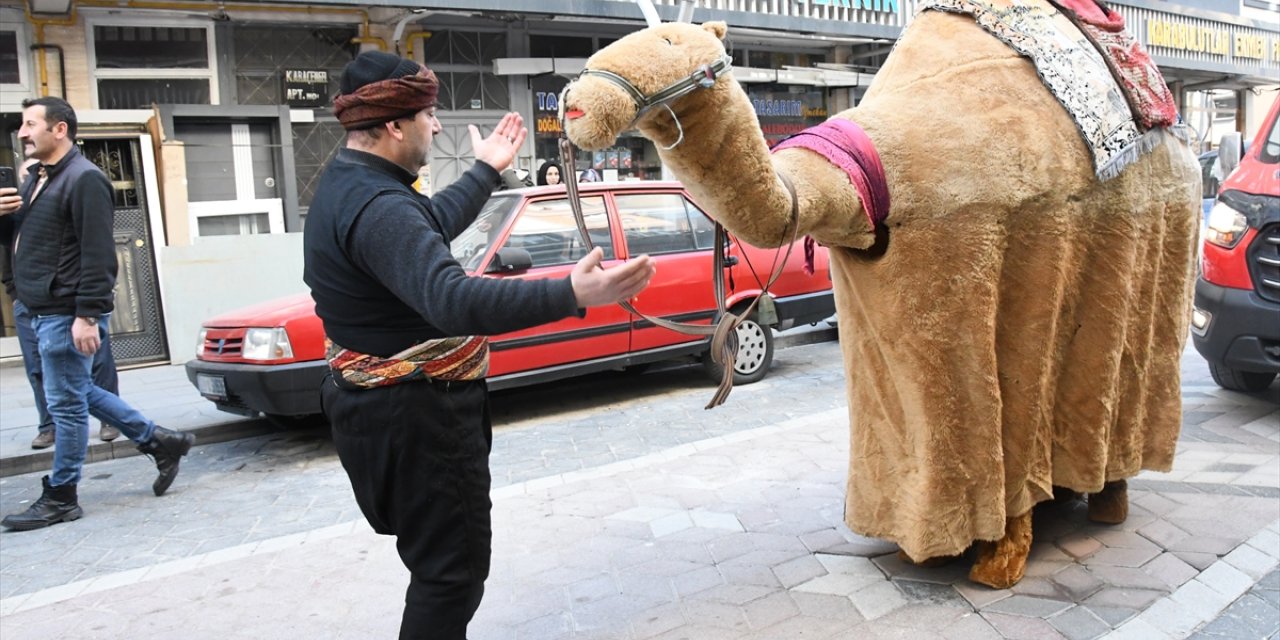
[211,386]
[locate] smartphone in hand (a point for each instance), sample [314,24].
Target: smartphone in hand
[8,177]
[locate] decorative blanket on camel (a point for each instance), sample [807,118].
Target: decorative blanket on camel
[1071,67]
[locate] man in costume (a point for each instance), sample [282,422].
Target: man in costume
[406,394]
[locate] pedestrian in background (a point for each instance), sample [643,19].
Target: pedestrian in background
[405,394]
[64,271]
[104,365]
[549,173]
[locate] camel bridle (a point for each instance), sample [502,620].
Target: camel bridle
[704,77]
[724,336]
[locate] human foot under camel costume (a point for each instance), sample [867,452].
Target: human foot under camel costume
[1012,307]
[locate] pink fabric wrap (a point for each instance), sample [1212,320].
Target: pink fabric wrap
[847,146]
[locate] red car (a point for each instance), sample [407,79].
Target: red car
[269,358]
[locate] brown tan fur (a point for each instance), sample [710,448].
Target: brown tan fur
[1023,328]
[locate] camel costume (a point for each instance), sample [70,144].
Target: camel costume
[1022,326]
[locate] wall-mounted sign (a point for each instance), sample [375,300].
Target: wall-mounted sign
[868,5]
[1185,37]
[306,87]
[786,111]
[1226,41]
[546,104]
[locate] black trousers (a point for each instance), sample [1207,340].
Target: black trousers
[417,455]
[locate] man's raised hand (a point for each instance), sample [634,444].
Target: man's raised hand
[594,286]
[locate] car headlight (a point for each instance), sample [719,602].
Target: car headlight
[1226,226]
[266,344]
[204,333]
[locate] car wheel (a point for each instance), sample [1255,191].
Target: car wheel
[755,354]
[1237,380]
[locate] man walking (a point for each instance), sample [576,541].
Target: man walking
[64,268]
[406,394]
[104,365]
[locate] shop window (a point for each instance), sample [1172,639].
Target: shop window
[140,65]
[264,52]
[314,145]
[761,59]
[132,47]
[16,79]
[463,62]
[10,69]
[238,225]
[135,93]
[560,47]
[472,90]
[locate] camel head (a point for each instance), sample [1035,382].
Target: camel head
[596,109]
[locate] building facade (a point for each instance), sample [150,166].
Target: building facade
[212,118]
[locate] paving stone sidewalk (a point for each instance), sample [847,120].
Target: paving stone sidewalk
[666,526]
[737,536]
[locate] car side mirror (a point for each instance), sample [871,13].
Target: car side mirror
[1229,153]
[509,260]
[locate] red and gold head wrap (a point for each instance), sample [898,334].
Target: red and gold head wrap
[379,87]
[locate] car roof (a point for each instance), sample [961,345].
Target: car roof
[587,188]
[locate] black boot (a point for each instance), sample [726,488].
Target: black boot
[166,447]
[56,504]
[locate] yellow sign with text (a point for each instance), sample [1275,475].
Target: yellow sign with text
[1249,46]
[1162,33]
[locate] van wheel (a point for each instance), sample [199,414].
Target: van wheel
[755,354]
[1237,380]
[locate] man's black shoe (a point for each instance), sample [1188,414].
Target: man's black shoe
[166,447]
[55,504]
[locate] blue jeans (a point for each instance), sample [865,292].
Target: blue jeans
[72,395]
[104,363]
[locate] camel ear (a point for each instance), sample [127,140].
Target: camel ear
[716,28]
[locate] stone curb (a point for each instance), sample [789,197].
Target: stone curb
[122,447]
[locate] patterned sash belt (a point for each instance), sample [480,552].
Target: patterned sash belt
[461,358]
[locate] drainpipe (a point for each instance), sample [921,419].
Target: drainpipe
[417,35]
[397,34]
[40,23]
[62,68]
[368,39]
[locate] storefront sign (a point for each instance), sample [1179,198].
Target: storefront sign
[1163,33]
[1251,46]
[306,87]
[890,6]
[1226,41]
[546,105]
[786,113]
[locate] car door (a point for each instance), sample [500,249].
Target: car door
[545,229]
[666,226]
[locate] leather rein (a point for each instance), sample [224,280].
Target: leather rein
[724,337]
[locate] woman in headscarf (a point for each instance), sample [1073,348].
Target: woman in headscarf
[549,173]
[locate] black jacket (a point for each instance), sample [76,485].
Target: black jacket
[62,242]
[378,263]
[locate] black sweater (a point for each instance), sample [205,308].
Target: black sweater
[64,258]
[378,263]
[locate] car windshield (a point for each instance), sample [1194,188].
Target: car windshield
[470,245]
[1271,144]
